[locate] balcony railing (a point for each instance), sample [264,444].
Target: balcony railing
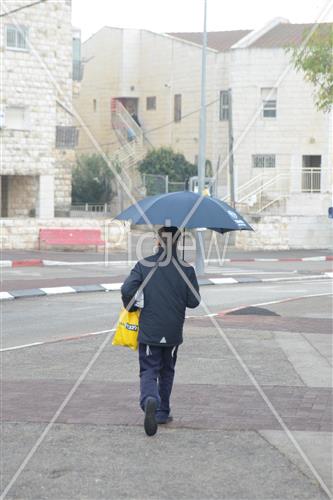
[311,180]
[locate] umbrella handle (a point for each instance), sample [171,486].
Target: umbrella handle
[184,243]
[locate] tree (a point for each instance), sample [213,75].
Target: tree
[315,60]
[92,180]
[164,161]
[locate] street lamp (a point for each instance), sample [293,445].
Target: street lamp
[199,258]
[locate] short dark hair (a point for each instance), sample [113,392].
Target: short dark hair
[171,229]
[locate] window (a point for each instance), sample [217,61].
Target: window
[311,174]
[77,66]
[178,108]
[16,37]
[66,137]
[94,105]
[224,105]
[269,99]
[151,103]
[16,118]
[263,161]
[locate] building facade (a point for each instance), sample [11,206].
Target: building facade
[36,129]
[282,146]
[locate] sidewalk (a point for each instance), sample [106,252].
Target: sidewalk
[224,442]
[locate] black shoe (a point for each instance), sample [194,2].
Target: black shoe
[164,419]
[150,423]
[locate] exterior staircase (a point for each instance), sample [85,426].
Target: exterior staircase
[264,193]
[133,147]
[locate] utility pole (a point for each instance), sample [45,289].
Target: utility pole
[231,152]
[199,258]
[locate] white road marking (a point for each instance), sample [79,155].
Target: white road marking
[296,278]
[55,340]
[13,348]
[55,290]
[5,263]
[305,259]
[111,286]
[6,296]
[221,281]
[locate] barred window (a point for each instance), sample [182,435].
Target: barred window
[151,103]
[16,37]
[263,161]
[66,137]
[224,105]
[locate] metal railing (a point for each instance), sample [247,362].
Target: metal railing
[124,125]
[263,190]
[159,184]
[90,208]
[311,180]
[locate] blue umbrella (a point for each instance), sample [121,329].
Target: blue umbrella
[185,209]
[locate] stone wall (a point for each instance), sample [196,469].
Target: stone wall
[286,232]
[23,233]
[37,79]
[65,161]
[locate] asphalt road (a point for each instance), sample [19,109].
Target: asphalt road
[38,319]
[38,277]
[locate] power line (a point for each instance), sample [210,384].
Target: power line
[8,13]
[184,116]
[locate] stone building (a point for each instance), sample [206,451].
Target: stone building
[36,128]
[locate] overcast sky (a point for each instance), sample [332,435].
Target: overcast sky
[186,15]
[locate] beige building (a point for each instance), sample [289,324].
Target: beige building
[157,77]
[281,141]
[36,127]
[146,86]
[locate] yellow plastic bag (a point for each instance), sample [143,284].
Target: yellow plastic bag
[127,329]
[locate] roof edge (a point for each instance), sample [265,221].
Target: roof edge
[252,37]
[188,42]
[164,35]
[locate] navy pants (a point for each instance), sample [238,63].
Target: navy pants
[157,371]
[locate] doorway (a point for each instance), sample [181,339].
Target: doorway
[311,173]
[131,104]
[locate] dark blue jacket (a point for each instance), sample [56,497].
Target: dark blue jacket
[166,296]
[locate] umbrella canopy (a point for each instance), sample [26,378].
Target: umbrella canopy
[185,209]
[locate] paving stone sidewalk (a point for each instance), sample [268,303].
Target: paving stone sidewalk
[224,442]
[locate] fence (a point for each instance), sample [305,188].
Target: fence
[89,209]
[160,184]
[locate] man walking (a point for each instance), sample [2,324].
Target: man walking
[169,286]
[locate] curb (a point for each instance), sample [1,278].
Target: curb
[46,262]
[109,287]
